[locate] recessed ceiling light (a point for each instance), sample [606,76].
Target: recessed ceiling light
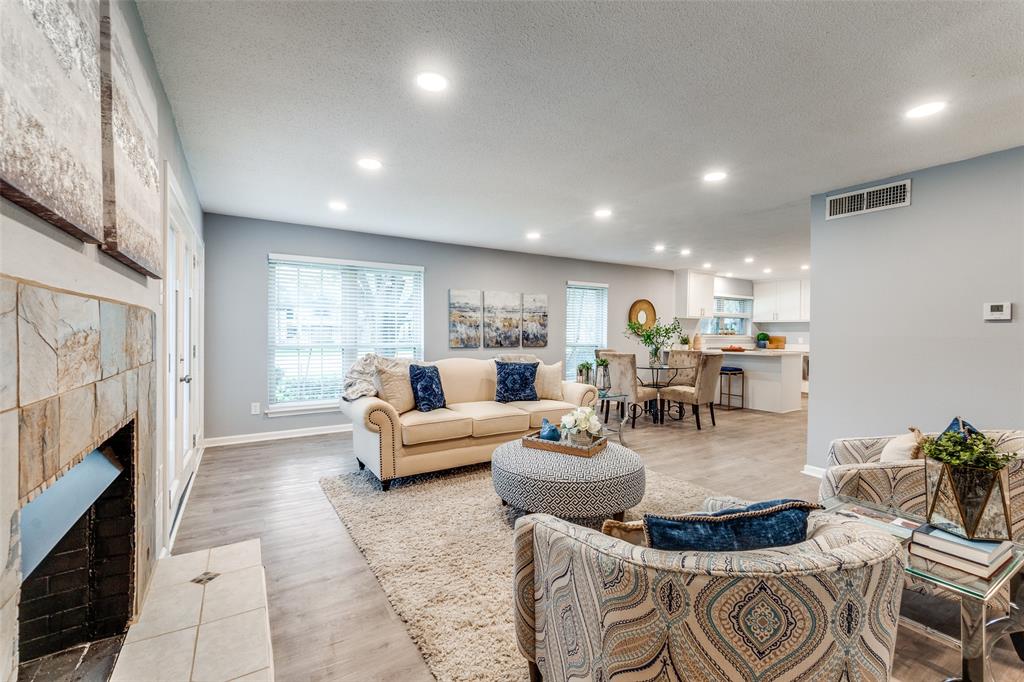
[805,267]
[337,205]
[432,82]
[748,259]
[767,271]
[715,176]
[685,252]
[533,235]
[370,164]
[603,213]
[925,110]
[706,265]
[659,247]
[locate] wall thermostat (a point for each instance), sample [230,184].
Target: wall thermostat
[998,311]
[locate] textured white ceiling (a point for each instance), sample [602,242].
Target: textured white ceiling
[556,108]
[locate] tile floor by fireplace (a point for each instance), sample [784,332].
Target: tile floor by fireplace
[205,618]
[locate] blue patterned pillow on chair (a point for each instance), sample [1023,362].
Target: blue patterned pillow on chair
[775,523]
[516,381]
[961,426]
[426,387]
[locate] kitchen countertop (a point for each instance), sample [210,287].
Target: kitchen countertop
[763,353]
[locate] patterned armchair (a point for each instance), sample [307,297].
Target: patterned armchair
[592,607]
[854,471]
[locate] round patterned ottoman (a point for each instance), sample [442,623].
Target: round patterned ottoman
[570,487]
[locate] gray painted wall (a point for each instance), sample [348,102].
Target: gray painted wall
[236,302]
[898,334]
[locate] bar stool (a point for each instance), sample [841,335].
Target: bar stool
[726,394]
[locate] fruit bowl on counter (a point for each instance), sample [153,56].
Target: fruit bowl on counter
[733,349]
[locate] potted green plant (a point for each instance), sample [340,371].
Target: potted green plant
[603,379]
[583,372]
[684,341]
[762,340]
[967,485]
[654,338]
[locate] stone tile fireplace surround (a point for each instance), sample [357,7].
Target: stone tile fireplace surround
[74,370]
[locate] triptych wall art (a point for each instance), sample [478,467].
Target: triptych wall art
[498,319]
[79,127]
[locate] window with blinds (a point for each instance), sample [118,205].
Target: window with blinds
[732,316]
[586,323]
[324,314]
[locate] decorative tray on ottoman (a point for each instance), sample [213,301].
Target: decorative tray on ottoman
[564,446]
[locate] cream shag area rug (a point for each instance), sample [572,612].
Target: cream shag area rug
[441,547]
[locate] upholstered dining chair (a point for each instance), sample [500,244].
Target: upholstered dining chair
[589,606]
[622,368]
[683,364]
[703,390]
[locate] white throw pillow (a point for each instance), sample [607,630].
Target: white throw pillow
[393,384]
[902,448]
[549,382]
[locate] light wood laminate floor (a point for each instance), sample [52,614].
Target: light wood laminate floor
[331,621]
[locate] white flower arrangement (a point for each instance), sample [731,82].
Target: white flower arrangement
[582,420]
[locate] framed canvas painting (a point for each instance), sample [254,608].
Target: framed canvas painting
[131,189]
[464,318]
[535,320]
[502,317]
[51,151]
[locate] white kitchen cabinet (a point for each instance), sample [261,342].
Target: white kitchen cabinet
[695,294]
[765,295]
[805,300]
[782,300]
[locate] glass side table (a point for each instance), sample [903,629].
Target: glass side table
[608,394]
[978,634]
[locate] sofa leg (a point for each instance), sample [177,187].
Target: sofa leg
[360,463]
[534,672]
[696,416]
[384,485]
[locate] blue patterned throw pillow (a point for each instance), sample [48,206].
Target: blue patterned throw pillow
[516,381]
[774,523]
[426,387]
[961,426]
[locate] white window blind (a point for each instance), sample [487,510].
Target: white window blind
[586,323]
[324,314]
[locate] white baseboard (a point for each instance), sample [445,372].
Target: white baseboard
[816,472]
[275,435]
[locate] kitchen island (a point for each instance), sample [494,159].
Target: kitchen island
[773,378]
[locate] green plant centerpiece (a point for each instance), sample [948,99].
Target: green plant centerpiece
[583,371]
[655,337]
[762,340]
[967,486]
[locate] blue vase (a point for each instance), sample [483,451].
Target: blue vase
[762,344]
[549,431]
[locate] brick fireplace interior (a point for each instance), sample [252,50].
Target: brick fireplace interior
[83,589]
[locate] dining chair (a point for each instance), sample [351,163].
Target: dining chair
[703,390]
[622,368]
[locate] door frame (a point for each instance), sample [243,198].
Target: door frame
[176,216]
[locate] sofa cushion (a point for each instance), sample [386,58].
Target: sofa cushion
[515,381]
[490,417]
[549,381]
[539,409]
[429,427]
[394,385]
[426,387]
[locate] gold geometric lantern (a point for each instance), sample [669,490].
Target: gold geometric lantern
[971,502]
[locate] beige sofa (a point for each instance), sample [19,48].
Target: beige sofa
[465,432]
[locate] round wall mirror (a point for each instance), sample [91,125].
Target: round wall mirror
[642,312]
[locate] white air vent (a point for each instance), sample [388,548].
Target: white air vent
[878,198]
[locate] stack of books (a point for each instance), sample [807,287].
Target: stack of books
[978,557]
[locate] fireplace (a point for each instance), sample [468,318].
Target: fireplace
[82,588]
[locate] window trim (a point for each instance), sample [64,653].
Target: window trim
[296,408]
